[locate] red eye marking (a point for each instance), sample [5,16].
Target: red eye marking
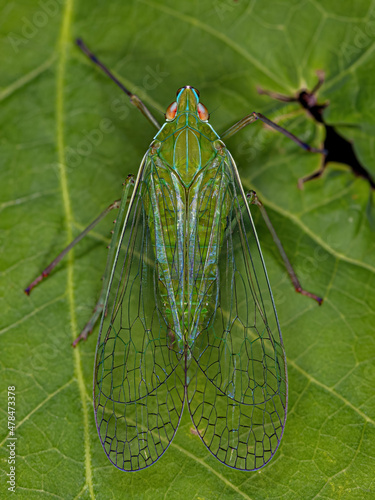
[171,111]
[202,112]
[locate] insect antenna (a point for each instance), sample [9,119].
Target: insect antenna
[134,99]
[94,59]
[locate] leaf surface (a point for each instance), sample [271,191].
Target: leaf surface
[70,138]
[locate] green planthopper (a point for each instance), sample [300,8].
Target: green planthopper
[187,313]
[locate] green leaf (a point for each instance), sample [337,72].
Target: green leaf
[69,139]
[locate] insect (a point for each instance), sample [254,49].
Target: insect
[188,314]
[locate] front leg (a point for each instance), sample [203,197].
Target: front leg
[252,117]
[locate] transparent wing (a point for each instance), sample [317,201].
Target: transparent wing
[138,380]
[237,379]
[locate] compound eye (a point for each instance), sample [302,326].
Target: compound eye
[171,111]
[202,112]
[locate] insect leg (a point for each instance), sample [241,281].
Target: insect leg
[61,255]
[252,117]
[111,252]
[116,204]
[134,99]
[252,198]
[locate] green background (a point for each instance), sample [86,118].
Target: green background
[54,181]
